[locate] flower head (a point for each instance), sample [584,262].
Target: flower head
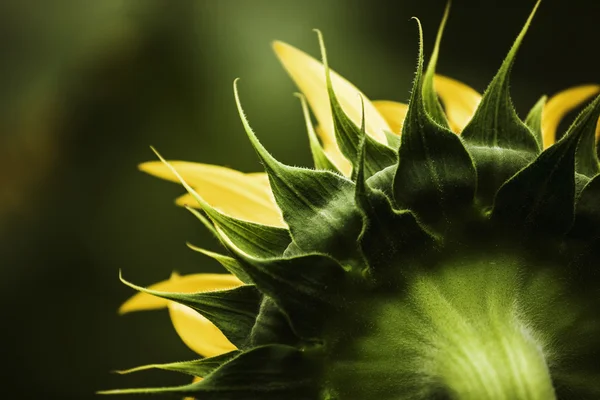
[437,250]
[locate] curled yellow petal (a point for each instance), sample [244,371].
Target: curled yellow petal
[309,75]
[460,101]
[197,332]
[393,112]
[182,284]
[559,105]
[240,195]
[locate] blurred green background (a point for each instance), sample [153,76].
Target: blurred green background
[87,86]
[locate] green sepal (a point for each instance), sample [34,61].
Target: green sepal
[587,212]
[229,263]
[435,177]
[293,250]
[272,326]
[496,123]
[304,287]
[256,239]
[586,160]
[205,221]
[498,141]
[348,136]
[384,181]
[378,156]
[387,234]
[272,372]
[581,182]
[318,206]
[200,367]
[541,197]
[320,158]
[495,166]
[233,311]
[393,140]
[534,120]
[431,101]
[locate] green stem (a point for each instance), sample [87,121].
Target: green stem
[483,347]
[467,331]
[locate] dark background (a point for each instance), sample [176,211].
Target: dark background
[87,86]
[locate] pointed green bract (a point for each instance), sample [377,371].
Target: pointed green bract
[580,182]
[387,235]
[269,373]
[534,120]
[256,239]
[435,177]
[272,326]
[348,135]
[495,166]
[201,367]
[586,161]
[587,212]
[233,311]
[320,158]
[393,140]
[205,221]
[317,205]
[230,264]
[430,99]
[540,198]
[499,142]
[301,286]
[495,123]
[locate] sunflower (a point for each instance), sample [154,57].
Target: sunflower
[440,249]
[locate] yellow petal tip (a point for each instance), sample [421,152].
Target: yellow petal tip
[281,47]
[147,166]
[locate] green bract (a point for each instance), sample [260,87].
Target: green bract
[446,267]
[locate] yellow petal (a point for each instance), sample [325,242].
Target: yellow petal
[260,178]
[338,159]
[238,210]
[197,332]
[309,75]
[182,284]
[334,153]
[393,112]
[559,105]
[234,193]
[460,101]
